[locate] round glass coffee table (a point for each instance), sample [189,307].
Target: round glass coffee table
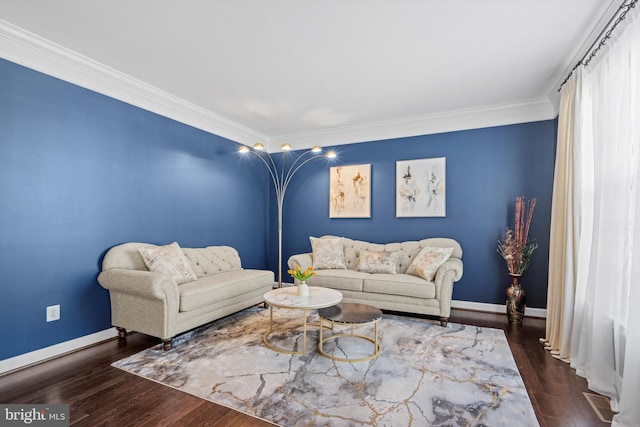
[351,314]
[288,298]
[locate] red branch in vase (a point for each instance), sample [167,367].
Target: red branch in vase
[516,248]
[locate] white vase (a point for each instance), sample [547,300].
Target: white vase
[303,289]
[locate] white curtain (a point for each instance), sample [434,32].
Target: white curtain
[565,220]
[598,256]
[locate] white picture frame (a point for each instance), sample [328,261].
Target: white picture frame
[350,191]
[421,188]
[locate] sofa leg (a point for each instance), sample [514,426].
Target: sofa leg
[122,332]
[166,344]
[443,321]
[265,305]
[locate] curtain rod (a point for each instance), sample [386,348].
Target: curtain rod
[604,35]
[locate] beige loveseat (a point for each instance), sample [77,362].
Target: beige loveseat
[155,304]
[398,292]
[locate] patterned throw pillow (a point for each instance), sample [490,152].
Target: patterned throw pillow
[427,262]
[168,260]
[378,262]
[327,253]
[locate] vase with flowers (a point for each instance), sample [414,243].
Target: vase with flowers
[516,249]
[302,276]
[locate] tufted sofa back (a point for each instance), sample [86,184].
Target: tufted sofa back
[204,261]
[212,260]
[408,250]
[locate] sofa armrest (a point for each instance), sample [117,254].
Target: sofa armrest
[453,265]
[301,260]
[142,301]
[146,284]
[447,274]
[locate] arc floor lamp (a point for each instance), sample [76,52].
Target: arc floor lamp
[281,177]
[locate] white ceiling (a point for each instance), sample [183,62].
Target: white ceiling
[309,71]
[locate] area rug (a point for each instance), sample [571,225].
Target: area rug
[426,375]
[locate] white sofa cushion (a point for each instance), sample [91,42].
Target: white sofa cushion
[219,287]
[378,262]
[350,280]
[327,253]
[168,260]
[427,262]
[399,284]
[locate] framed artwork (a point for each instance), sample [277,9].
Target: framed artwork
[350,191]
[421,187]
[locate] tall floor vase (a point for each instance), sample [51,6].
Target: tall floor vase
[516,299]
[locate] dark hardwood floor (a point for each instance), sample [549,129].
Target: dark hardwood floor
[101,395]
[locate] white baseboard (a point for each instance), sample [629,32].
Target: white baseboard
[497,308]
[55,350]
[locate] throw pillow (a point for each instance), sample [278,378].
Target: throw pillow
[378,262]
[168,260]
[327,253]
[427,262]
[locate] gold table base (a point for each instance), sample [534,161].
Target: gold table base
[304,324]
[376,345]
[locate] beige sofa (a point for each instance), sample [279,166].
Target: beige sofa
[397,292]
[154,304]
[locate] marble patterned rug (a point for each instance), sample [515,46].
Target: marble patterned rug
[426,375]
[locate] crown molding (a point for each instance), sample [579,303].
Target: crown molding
[472,118]
[554,90]
[32,51]
[596,29]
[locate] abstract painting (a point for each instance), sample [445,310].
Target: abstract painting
[350,191]
[421,187]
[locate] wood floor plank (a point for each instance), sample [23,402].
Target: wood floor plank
[99,394]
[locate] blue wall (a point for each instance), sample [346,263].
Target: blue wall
[81,172]
[486,170]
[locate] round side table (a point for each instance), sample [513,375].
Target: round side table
[351,314]
[288,298]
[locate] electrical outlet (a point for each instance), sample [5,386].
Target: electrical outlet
[53,313]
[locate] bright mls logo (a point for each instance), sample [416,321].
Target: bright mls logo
[36,415]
